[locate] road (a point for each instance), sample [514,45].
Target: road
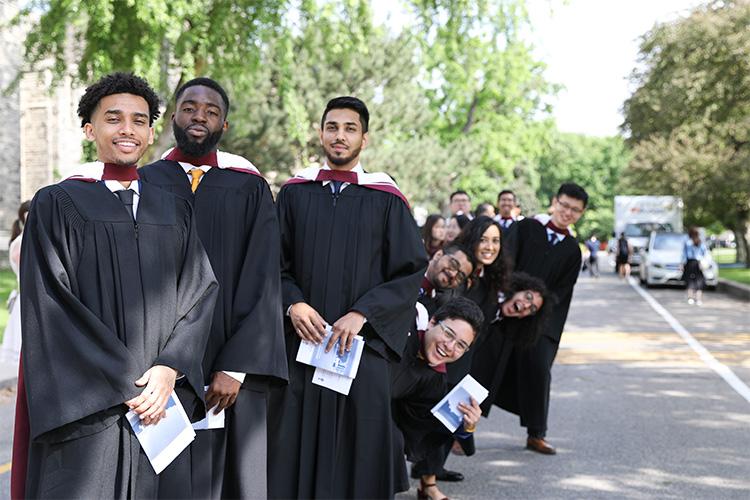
[636,412]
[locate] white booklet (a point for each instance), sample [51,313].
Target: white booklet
[333,370]
[333,381]
[210,421]
[163,441]
[447,409]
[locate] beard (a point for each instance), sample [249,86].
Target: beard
[196,149]
[342,160]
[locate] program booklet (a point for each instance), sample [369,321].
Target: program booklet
[332,370]
[447,409]
[163,441]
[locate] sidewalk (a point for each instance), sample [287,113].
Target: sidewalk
[8,374]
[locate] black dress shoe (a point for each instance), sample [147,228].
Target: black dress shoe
[449,476]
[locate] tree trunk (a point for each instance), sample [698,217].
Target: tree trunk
[740,238]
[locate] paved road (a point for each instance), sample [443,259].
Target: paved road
[635,412]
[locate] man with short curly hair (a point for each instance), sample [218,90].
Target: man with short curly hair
[116,306]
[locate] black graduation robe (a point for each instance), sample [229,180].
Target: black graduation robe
[104,299]
[558,266]
[362,253]
[490,362]
[236,222]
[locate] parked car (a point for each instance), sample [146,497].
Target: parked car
[662,261]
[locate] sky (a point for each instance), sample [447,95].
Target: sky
[590,48]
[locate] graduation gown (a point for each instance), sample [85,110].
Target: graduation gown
[415,389]
[558,266]
[236,222]
[104,299]
[358,252]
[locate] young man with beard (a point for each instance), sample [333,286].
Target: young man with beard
[351,257]
[447,269]
[237,224]
[117,296]
[543,247]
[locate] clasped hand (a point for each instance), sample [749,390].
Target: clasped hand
[151,404]
[310,326]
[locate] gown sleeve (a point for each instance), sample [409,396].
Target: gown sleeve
[74,365]
[197,290]
[256,346]
[389,307]
[290,291]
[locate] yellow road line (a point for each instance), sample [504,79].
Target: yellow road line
[4,468]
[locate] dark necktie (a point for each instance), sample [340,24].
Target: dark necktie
[336,190]
[553,237]
[126,197]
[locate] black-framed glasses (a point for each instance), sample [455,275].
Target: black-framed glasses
[529,296]
[451,336]
[568,206]
[455,266]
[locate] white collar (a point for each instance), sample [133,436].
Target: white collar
[115,186]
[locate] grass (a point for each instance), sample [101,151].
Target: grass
[7,283]
[724,255]
[739,274]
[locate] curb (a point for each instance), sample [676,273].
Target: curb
[737,290]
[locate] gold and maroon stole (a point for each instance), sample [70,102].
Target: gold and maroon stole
[378,181]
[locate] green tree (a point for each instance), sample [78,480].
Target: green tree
[486,88]
[595,163]
[688,119]
[166,41]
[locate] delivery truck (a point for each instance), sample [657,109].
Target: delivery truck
[638,216]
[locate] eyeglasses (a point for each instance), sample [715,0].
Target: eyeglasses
[451,336]
[529,296]
[568,206]
[455,266]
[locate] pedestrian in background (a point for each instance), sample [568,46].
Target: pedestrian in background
[485,209]
[11,349]
[592,245]
[694,252]
[622,261]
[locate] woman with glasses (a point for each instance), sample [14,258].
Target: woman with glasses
[419,382]
[519,322]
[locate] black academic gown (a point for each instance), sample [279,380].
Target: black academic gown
[415,389]
[558,266]
[104,299]
[236,221]
[359,252]
[490,363]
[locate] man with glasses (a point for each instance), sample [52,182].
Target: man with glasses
[543,247]
[420,381]
[447,269]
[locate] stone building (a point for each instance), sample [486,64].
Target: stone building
[42,137]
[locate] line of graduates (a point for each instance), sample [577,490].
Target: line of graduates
[184,275]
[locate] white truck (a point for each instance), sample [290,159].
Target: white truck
[637,216]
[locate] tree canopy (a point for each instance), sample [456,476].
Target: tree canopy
[689,118]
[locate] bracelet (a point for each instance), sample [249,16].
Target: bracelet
[470,429]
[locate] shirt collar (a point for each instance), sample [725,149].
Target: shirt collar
[115,186]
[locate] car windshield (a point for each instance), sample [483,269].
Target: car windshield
[645,228]
[672,242]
